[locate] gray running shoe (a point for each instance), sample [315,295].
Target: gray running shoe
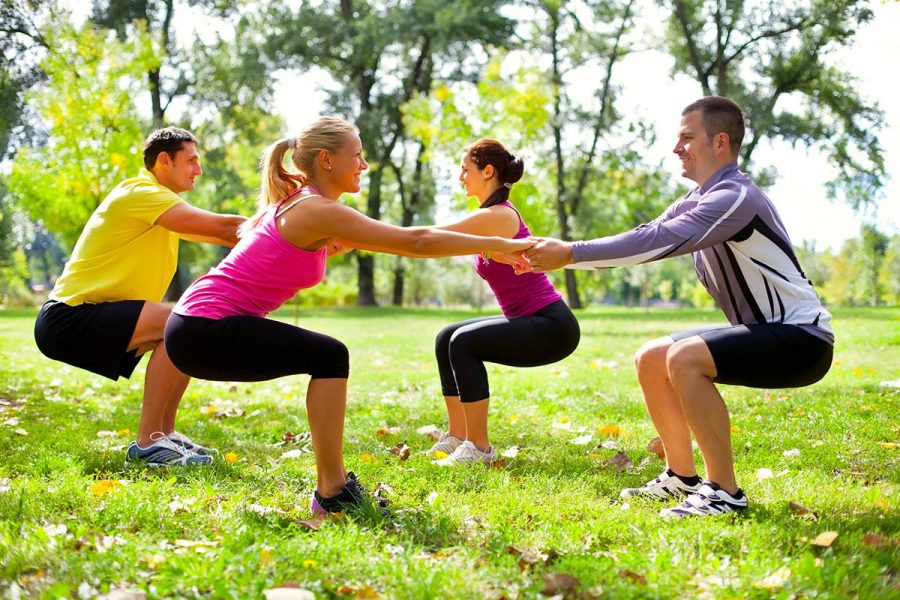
[163,452]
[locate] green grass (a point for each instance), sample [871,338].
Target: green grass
[464,533]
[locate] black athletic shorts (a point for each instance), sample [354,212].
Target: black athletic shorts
[93,337]
[766,355]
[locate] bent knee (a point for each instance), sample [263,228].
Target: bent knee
[333,361]
[690,356]
[651,356]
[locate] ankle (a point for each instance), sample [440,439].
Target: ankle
[330,489]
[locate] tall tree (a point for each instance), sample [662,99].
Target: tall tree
[771,57]
[380,54]
[584,41]
[167,78]
[22,46]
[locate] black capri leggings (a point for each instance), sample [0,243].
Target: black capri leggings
[245,348]
[549,335]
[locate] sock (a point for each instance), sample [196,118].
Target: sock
[695,480]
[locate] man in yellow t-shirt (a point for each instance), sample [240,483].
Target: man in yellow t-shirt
[105,310]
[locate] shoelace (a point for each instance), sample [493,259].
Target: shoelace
[158,437]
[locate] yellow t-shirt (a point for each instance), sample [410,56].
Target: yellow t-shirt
[122,254]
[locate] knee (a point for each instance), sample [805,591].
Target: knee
[688,358]
[650,359]
[442,340]
[334,360]
[459,343]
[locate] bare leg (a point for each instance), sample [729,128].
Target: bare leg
[664,406]
[457,417]
[326,402]
[163,384]
[692,371]
[476,414]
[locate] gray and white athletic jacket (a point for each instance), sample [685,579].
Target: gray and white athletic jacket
[741,250]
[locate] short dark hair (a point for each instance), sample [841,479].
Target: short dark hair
[168,140]
[720,114]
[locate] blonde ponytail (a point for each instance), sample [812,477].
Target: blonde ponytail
[277,182]
[326,133]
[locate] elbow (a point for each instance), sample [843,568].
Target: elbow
[423,241]
[229,232]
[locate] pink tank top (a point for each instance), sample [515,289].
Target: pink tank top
[262,272]
[518,295]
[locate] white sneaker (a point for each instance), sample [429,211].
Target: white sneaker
[467,452]
[180,438]
[708,501]
[666,486]
[446,443]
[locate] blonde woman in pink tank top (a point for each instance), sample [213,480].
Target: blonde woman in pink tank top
[219,329]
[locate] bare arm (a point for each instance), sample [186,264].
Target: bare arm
[494,221]
[198,225]
[319,218]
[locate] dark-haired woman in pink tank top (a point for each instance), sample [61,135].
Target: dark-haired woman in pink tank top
[536,327]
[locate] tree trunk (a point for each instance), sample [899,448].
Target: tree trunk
[366,263]
[399,271]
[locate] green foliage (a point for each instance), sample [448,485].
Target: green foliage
[454,533]
[94,132]
[771,57]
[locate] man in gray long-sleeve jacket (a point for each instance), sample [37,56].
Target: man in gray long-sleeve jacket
[779,334]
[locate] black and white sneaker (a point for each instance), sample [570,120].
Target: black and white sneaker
[708,501]
[666,486]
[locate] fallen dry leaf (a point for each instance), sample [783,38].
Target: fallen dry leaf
[129,594]
[430,431]
[620,461]
[500,464]
[386,431]
[632,576]
[559,583]
[799,509]
[511,452]
[774,581]
[824,539]
[655,446]
[288,591]
[315,522]
[763,474]
[875,540]
[401,450]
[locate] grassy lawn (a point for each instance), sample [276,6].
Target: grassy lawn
[75,522]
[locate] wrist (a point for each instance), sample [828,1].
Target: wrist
[569,256]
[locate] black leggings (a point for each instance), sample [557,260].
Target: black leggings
[549,335]
[245,348]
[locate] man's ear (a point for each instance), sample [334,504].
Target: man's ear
[722,142]
[163,159]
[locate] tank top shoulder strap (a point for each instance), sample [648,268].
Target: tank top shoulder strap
[290,202]
[509,204]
